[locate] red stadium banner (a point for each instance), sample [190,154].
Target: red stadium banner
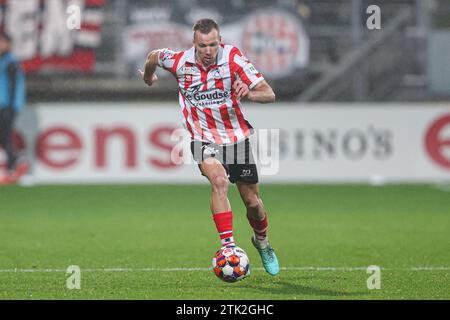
[313,143]
[53,35]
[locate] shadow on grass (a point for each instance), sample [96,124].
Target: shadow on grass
[292,288]
[286,288]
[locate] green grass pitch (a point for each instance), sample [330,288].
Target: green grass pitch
[156,242]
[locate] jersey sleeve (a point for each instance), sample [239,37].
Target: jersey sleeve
[245,70]
[168,59]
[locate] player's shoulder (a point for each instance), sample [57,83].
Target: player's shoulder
[167,55]
[231,49]
[170,51]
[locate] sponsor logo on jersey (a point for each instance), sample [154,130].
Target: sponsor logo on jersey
[213,95]
[188,70]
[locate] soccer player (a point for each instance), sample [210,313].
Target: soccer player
[213,78]
[12,99]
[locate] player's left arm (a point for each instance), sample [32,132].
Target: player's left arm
[262,92]
[249,82]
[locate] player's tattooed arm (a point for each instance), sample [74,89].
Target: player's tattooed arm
[149,75]
[262,93]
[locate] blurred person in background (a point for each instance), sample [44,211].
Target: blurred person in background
[212,80]
[12,101]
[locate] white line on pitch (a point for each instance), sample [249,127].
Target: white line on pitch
[424,268]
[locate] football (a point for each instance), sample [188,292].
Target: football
[231,264]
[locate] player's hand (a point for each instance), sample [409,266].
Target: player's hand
[240,89]
[148,80]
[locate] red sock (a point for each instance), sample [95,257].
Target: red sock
[259,227]
[224,225]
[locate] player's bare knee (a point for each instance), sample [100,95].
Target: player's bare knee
[219,184]
[252,202]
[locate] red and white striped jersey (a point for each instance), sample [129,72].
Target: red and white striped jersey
[210,111]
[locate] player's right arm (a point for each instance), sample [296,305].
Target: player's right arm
[149,75]
[164,58]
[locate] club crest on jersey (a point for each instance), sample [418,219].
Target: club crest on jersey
[218,73]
